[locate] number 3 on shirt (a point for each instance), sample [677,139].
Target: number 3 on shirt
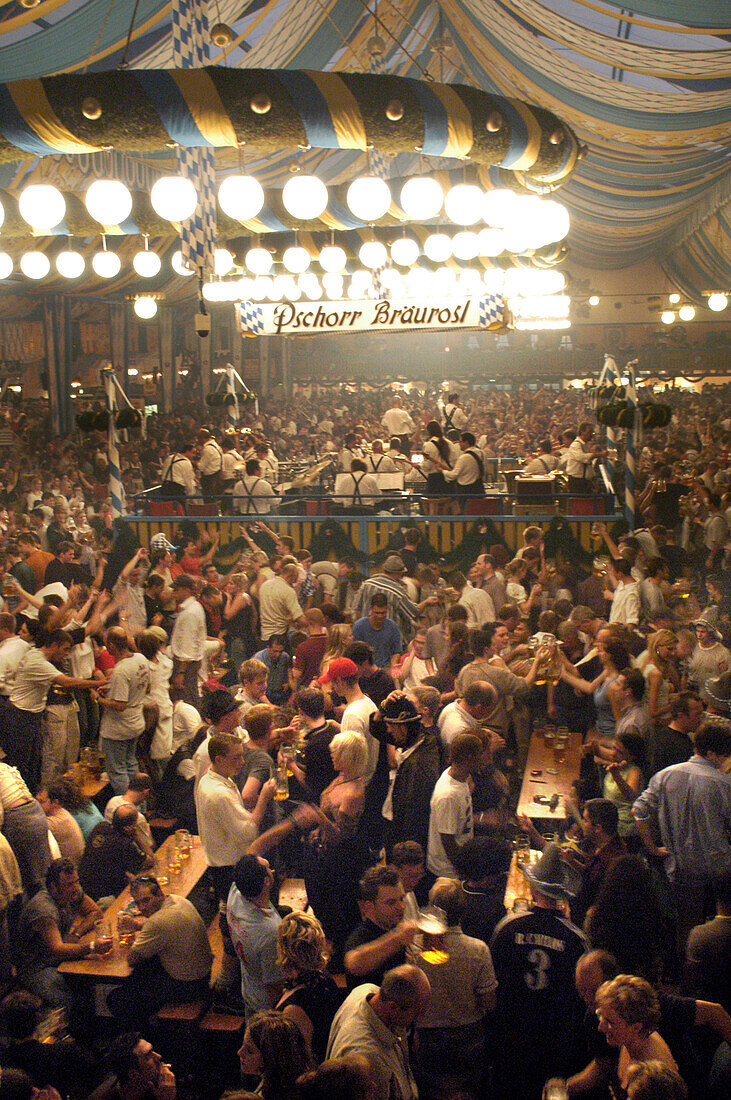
[536,977]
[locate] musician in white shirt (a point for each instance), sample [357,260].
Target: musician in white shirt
[455,418]
[357,489]
[252,494]
[178,475]
[210,463]
[397,421]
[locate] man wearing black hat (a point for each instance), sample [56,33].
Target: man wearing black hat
[406,807]
[538,1010]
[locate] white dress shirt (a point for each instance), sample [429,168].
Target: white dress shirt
[189,632]
[225,825]
[179,470]
[626,603]
[579,462]
[211,459]
[479,606]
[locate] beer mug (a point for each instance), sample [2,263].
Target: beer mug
[103,942]
[127,930]
[282,789]
[432,924]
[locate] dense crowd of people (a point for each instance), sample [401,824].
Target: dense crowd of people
[364,727]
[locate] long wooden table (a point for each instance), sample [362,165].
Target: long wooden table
[114,967]
[546,776]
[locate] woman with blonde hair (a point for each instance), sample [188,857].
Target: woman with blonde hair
[312,998]
[338,636]
[629,1012]
[661,673]
[337,852]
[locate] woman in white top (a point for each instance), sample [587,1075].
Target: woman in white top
[437,454]
[661,673]
[161,668]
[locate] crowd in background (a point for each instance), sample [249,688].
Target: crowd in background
[396,701]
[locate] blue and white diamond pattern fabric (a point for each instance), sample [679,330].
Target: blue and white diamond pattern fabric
[491,310]
[190,51]
[251,319]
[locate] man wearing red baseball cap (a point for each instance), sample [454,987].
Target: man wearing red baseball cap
[343,673]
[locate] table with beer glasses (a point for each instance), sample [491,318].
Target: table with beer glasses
[554,759]
[179,864]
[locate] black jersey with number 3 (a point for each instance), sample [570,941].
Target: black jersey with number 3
[535,955]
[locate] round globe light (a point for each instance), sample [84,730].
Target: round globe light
[241,197]
[405,251]
[262,286]
[667,316]
[223,261]
[419,281]
[35,265]
[463,204]
[109,202]
[354,292]
[555,221]
[106,264]
[146,264]
[673,299]
[2,213]
[305,197]
[332,284]
[296,259]
[421,198]
[6,265]
[70,264]
[42,205]
[594,300]
[686,313]
[444,280]
[313,291]
[490,242]
[245,288]
[174,198]
[438,248]
[259,261]
[332,258]
[211,292]
[469,281]
[145,307]
[362,278]
[179,267]
[493,280]
[517,240]
[373,254]
[368,198]
[465,245]
[717,302]
[276,290]
[498,207]
[392,280]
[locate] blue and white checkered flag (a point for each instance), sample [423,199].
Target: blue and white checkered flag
[190,51]
[491,310]
[251,319]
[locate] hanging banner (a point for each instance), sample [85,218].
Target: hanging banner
[312,318]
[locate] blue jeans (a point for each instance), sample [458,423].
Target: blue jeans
[120,761]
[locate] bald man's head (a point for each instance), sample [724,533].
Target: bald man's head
[403,996]
[592,970]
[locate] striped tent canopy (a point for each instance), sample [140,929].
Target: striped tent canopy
[646,88]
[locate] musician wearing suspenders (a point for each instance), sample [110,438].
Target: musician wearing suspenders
[379,462]
[362,495]
[210,464]
[468,471]
[253,495]
[178,475]
[455,418]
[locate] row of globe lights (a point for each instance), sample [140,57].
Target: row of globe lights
[419,282]
[373,254]
[528,221]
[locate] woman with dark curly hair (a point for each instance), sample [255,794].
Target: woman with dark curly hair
[626,919]
[274,1049]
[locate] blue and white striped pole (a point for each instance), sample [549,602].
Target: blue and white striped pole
[630,456]
[116,489]
[610,377]
[232,411]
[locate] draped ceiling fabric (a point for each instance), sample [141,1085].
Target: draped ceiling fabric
[647,88]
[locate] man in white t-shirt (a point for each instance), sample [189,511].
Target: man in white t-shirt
[123,719]
[450,814]
[343,674]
